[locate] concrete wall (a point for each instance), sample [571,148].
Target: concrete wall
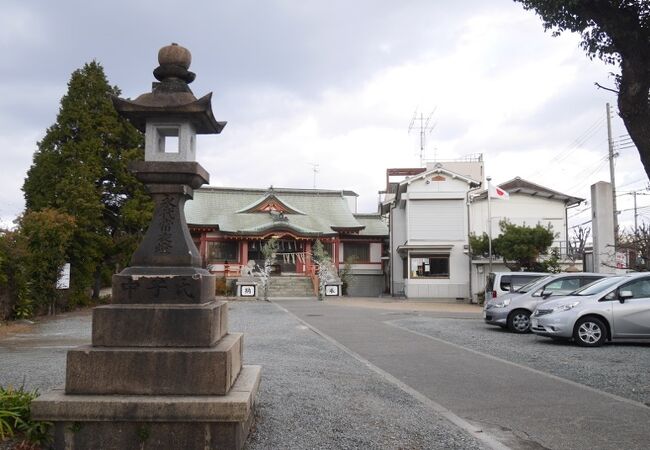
[602,211]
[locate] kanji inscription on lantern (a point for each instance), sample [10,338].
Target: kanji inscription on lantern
[183,287]
[156,285]
[130,286]
[167,213]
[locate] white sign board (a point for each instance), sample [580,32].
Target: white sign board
[64,277]
[248,290]
[331,290]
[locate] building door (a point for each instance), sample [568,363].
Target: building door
[290,254]
[289,258]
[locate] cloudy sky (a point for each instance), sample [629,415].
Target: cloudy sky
[333,83]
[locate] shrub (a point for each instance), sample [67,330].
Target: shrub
[15,417]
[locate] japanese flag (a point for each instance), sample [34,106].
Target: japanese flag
[497,192]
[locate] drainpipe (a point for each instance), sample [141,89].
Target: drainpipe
[391,261]
[469,230]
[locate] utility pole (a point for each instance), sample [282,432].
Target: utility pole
[424,126]
[489,179]
[612,177]
[636,214]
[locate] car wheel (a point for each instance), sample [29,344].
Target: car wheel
[590,332]
[519,321]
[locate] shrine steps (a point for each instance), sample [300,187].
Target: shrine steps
[291,286]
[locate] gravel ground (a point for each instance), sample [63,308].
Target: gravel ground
[617,368]
[36,358]
[312,395]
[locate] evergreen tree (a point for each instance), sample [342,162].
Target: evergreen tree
[80,168]
[520,246]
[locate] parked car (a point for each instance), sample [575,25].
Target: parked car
[612,308]
[513,310]
[500,283]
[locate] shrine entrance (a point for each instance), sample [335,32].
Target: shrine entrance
[290,258]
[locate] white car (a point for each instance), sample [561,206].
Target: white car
[609,309]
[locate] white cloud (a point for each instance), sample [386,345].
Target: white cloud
[337,85]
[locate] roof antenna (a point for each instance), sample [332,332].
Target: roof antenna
[424,126]
[316,169]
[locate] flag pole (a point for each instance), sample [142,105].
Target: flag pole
[489,189]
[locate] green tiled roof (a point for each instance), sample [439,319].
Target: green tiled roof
[322,210]
[374,225]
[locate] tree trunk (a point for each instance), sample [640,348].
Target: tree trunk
[634,106]
[97,284]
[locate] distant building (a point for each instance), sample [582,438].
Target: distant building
[433,210]
[230,226]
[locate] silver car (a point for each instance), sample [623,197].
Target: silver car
[612,308]
[514,310]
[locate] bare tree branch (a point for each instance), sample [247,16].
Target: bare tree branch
[606,88]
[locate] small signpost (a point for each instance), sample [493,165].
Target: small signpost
[64,277]
[247,290]
[331,290]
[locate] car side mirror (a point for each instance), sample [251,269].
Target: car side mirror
[624,295]
[546,294]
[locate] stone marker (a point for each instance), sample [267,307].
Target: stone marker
[162,371]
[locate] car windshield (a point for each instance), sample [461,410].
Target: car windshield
[527,287]
[597,286]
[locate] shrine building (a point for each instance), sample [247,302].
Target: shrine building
[230,225]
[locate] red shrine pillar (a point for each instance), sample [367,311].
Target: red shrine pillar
[308,263]
[243,253]
[336,250]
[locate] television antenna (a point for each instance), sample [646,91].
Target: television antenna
[316,169]
[424,126]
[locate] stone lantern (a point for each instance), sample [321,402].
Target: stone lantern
[162,371]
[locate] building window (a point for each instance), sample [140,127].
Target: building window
[223,251]
[429,266]
[356,252]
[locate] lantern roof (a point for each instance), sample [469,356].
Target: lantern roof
[171,97]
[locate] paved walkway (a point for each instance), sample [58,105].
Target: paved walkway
[522,407]
[450,308]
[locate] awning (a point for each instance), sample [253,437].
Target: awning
[419,248]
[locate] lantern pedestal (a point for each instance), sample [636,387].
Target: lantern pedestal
[162,371]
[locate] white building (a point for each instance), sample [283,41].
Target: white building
[432,213]
[428,234]
[529,204]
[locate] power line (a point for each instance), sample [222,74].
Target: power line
[632,182]
[585,179]
[578,142]
[581,224]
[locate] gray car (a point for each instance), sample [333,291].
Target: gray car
[514,310]
[612,308]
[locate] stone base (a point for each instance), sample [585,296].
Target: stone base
[152,422]
[155,371]
[159,325]
[146,285]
